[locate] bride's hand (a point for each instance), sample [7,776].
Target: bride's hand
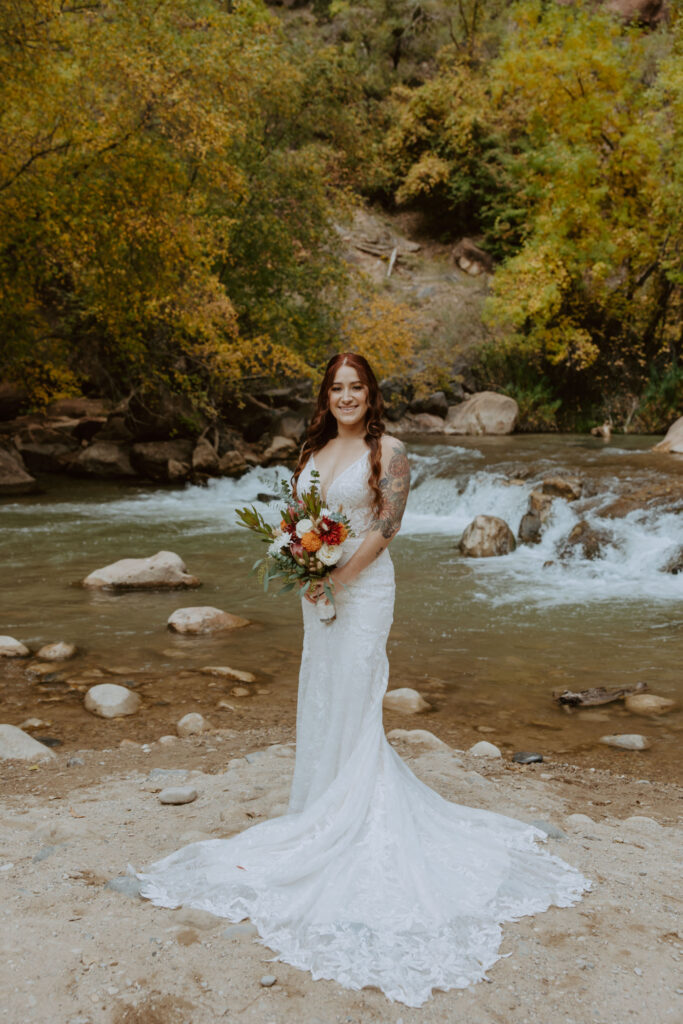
[317,591]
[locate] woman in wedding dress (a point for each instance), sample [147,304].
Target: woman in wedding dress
[371,877]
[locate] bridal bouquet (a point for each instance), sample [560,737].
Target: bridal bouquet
[306,545]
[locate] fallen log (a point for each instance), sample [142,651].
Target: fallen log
[596,695]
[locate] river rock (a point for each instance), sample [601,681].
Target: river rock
[204,457]
[11,648]
[177,795]
[169,461]
[530,528]
[165,570]
[109,700]
[487,412]
[14,479]
[223,671]
[586,538]
[540,504]
[103,458]
[192,724]
[405,700]
[673,441]
[484,749]
[567,487]
[627,741]
[419,740]
[17,744]
[280,448]
[232,463]
[648,704]
[486,537]
[60,651]
[45,448]
[675,563]
[203,619]
[526,757]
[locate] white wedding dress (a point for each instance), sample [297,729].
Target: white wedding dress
[371,878]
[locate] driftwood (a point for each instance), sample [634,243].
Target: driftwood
[596,695]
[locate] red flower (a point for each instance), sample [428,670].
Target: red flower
[333,533]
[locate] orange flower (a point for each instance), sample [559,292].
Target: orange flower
[311,541]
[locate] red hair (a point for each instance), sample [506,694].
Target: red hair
[324,426]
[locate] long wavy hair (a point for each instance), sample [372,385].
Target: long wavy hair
[323,426]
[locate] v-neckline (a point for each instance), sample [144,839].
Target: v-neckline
[324,495]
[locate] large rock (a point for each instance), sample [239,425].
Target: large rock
[567,487]
[109,700]
[673,442]
[530,528]
[648,704]
[14,479]
[418,423]
[471,258]
[60,651]
[17,744]
[487,537]
[232,463]
[435,404]
[204,457]
[405,700]
[487,412]
[170,461]
[103,458]
[279,449]
[165,570]
[11,648]
[585,538]
[203,619]
[78,407]
[45,448]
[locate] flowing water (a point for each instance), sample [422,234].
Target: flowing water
[487,640]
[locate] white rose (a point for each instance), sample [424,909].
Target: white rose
[303,526]
[329,554]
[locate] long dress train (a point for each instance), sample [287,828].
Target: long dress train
[371,878]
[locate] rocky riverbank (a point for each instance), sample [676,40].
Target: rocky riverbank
[74,828]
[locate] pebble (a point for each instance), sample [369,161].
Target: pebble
[239,691]
[627,741]
[34,723]
[60,651]
[231,673]
[484,749]
[526,757]
[109,700]
[268,980]
[405,700]
[167,740]
[192,724]
[178,795]
[126,885]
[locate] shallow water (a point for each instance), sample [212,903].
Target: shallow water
[500,633]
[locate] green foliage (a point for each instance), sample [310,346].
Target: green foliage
[501,369]
[662,400]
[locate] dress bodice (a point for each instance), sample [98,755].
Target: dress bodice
[349,492]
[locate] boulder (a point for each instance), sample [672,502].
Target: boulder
[418,740]
[487,537]
[405,700]
[109,700]
[103,458]
[530,528]
[204,457]
[192,724]
[648,704]
[163,571]
[169,461]
[13,399]
[45,448]
[486,412]
[540,504]
[627,741]
[418,423]
[586,538]
[435,404]
[232,463]
[76,408]
[569,487]
[673,441]
[161,414]
[484,749]
[290,425]
[467,255]
[60,651]
[280,448]
[14,743]
[14,478]
[11,648]
[203,619]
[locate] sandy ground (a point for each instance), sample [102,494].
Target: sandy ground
[77,952]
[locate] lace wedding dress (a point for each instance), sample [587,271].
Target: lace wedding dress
[371,878]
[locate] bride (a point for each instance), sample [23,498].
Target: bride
[370,878]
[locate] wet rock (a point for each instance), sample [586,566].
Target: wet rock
[486,412]
[164,570]
[14,478]
[178,795]
[487,537]
[14,743]
[33,723]
[204,457]
[405,700]
[45,672]
[604,431]
[202,620]
[484,749]
[418,740]
[192,724]
[102,458]
[569,487]
[673,441]
[648,704]
[526,757]
[11,648]
[169,461]
[530,528]
[675,563]
[585,538]
[223,671]
[109,700]
[60,651]
[627,741]
[240,691]
[540,504]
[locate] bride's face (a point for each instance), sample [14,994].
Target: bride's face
[348,397]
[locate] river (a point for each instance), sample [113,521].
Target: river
[487,640]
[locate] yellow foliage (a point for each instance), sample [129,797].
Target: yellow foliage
[383,331]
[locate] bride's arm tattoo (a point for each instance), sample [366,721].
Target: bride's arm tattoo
[395,485]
